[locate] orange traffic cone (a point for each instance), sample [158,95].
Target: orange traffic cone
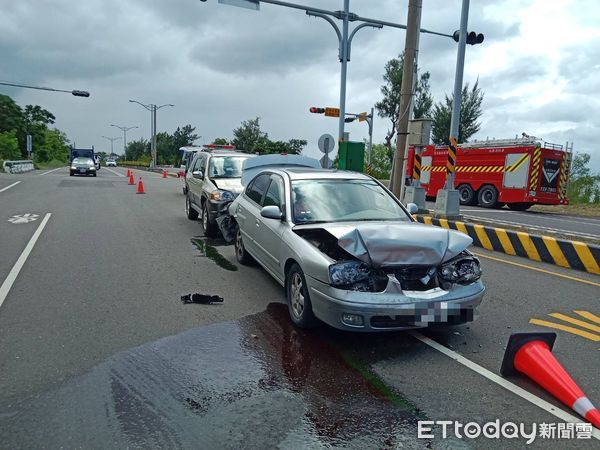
[164,173]
[131,180]
[128,173]
[140,189]
[531,354]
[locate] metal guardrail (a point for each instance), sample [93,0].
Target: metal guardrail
[18,166]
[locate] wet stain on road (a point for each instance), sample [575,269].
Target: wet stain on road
[213,254]
[258,382]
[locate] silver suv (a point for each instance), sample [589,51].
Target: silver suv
[213,180]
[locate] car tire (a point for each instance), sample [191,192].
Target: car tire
[488,197]
[298,298]
[466,195]
[94,175]
[190,212]
[208,227]
[241,254]
[71,174]
[524,206]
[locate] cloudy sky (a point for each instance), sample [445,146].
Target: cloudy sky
[539,66]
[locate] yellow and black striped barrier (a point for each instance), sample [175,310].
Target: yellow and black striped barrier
[571,254]
[535,169]
[417,167]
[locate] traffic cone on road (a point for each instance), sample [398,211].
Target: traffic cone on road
[140,189]
[531,354]
[164,173]
[128,173]
[131,180]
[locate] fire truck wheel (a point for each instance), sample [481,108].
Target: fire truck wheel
[488,197]
[519,206]
[466,194]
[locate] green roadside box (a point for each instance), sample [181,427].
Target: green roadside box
[351,156]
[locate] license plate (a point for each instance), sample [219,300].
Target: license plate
[82,170]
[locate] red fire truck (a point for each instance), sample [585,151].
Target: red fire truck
[517,172]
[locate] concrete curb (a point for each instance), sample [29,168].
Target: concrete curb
[565,253]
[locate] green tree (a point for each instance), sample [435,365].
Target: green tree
[470,112]
[136,150]
[389,106]
[54,146]
[248,135]
[584,186]
[9,145]
[11,115]
[381,162]
[221,141]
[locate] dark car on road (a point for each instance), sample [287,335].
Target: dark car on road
[213,180]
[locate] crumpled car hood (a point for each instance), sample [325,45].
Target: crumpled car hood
[229,184]
[385,244]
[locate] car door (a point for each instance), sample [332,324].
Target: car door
[248,213]
[269,231]
[195,184]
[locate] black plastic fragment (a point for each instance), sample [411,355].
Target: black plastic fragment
[201,298]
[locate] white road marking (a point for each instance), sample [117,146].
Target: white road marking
[14,272]
[53,170]
[116,173]
[25,218]
[546,406]
[9,186]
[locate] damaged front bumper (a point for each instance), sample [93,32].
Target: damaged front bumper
[393,309]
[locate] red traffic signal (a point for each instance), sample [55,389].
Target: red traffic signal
[316,110]
[472,37]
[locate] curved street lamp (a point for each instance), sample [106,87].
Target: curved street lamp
[124,129]
[76,93]
[152,108]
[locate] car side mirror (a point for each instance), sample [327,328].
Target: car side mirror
[412,208]
[271,212]
[198,174]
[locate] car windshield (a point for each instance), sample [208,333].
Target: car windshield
[333,200]
[226,166]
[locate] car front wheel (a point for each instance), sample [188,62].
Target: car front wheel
[298,299]
[209,228]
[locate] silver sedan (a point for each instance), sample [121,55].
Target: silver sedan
[350,254]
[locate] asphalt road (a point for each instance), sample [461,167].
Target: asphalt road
[584,227]
[97,350]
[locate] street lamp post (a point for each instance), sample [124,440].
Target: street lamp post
[111,139]
[124,129]
[76,93]
[152,108]
[345,41]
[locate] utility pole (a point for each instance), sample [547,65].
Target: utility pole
[152,108]
[447,203]
[111,139]
[406,92]
[344,61]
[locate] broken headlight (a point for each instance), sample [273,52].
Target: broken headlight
[463,270]
[347,273]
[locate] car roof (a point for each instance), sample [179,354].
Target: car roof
[303,173]
[226,153]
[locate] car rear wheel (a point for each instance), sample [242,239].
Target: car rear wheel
[93,174]
[488,197]
[466,194]
[298,299]
[242,256]
[190,212]
[209,228]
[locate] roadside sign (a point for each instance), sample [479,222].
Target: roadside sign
[363,116]
[332,112]
[326,161]
[326,143]
[29,144]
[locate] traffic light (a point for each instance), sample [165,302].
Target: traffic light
[472,37]
[349,119]
[317,110]
[332,112]
[80,93]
